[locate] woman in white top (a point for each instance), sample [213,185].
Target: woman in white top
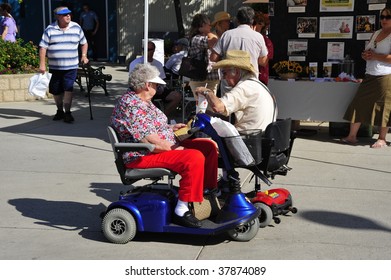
[372,103]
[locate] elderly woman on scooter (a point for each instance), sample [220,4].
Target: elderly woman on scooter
[136,119]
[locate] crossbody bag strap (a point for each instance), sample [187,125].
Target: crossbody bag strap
[272,96]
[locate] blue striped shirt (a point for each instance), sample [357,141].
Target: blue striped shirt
[62,45]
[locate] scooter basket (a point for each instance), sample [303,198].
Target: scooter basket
[245,149]
[252,138]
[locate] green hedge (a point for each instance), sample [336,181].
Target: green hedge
[18,57]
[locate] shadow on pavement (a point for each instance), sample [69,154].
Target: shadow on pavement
[64,215]
[341,220]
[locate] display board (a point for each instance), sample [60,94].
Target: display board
[306,34]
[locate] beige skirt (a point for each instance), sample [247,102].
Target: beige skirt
[372,102]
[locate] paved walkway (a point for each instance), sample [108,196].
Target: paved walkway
[56,178]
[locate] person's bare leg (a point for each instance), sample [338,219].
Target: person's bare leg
[68,95]
[352,137]
[68,118]
[59,104]
[381,140]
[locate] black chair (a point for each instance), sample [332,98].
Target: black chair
[277,143]
[130,176]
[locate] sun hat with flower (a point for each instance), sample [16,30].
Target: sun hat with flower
[238,59]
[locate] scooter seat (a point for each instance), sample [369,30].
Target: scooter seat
[138,174]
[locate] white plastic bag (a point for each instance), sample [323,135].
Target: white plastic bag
[39,84]
[233,142]
[223,128]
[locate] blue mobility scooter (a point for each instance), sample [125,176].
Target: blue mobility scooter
[150,208]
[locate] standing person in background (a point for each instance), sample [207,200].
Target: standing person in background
[221,23]
[242,38]
[60,42]
[372,103]
[8,27]
[90,23]
[261,25]
[201,42]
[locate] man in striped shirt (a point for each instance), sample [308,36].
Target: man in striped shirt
[60,42]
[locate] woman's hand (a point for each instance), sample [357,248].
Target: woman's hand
[368,55]
[177,126]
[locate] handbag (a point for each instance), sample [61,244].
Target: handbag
[193,68]
[209,207]
[39,84]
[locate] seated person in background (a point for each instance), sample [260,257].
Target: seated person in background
[249,100]
[170,97]
[180,50]
[136,119]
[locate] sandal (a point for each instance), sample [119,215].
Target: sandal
[347,142]
[379,144]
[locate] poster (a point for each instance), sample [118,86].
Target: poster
[337,5]
[297,47]
[313,70]
[365,26]
[336,27]
[307,27]
[327,67]
[335,52]
[296,6]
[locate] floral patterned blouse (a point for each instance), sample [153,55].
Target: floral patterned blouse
[133,119]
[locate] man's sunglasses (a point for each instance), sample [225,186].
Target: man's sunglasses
[385,17]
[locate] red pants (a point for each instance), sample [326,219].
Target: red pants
[197,165]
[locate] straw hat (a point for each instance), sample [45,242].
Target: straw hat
[238,59]
[221,16]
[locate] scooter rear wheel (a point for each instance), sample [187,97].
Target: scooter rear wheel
[119,226]
[266,216]
[245,232]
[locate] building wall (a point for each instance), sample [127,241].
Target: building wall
[162,19]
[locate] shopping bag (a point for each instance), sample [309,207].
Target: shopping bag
[39,84]
[209,207]
[193,68]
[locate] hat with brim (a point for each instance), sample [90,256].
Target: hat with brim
[182,42]
[238,59]
[63,11]
[220,16]
[157,80]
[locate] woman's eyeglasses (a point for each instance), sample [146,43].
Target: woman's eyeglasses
[385,17]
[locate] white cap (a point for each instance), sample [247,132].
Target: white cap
[157,80]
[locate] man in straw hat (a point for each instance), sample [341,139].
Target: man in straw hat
[250,100]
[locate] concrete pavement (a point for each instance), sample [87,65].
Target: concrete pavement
[56,178]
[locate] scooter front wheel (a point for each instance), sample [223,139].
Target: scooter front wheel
[266,216]
[119,226]
[245,232]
